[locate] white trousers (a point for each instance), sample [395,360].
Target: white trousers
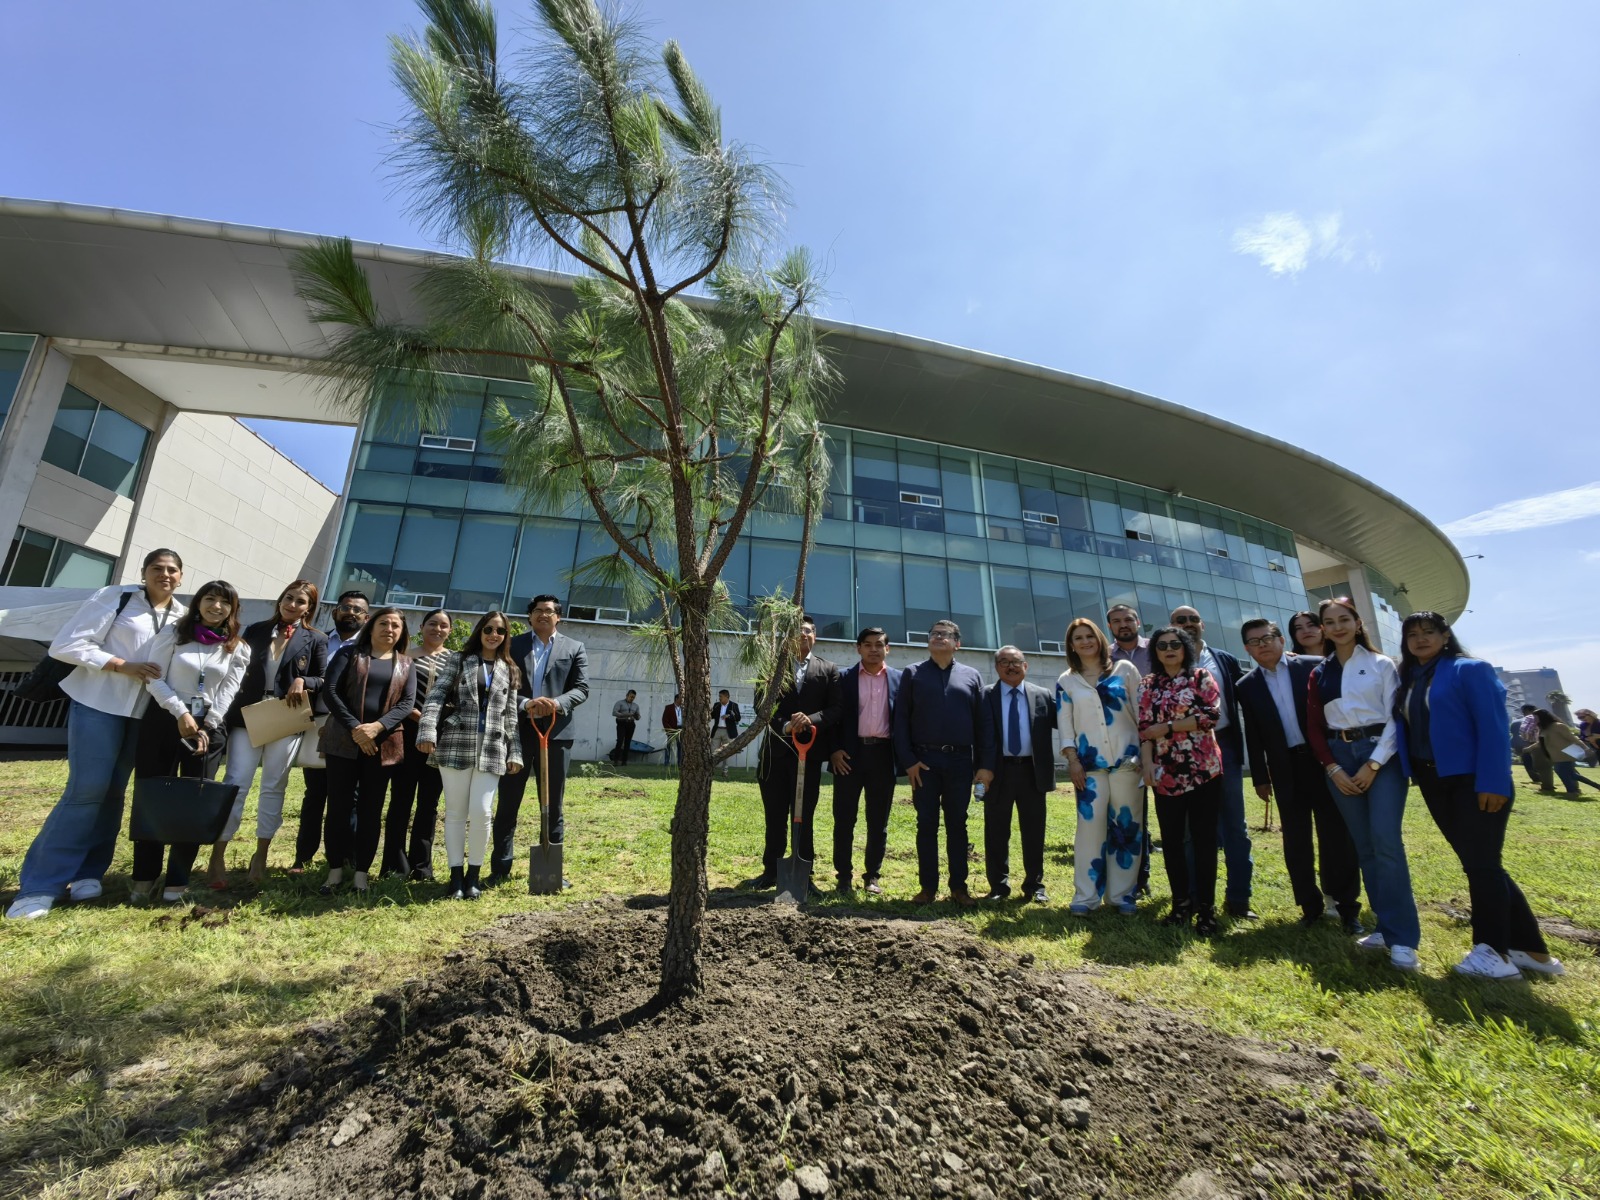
[1110,838]
[467,794]
[275,760]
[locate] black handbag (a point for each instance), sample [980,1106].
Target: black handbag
[172,811]
[42,685]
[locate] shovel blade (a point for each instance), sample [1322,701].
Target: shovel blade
[544,869]
[794,880]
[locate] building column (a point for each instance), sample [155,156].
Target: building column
[33,412]
[1361,593]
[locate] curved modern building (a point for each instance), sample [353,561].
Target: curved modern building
[1010,496]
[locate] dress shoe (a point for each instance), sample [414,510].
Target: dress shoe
[999,893]
[845,886]
[962,898]
[1309,918]
[495,879]
[566,884]
[1241,912]
[1205,925]
[874,888]
[922,897]
[813,892]
[470,887]
[1039,896]
[1352,926]
[760,883]
[1178,916]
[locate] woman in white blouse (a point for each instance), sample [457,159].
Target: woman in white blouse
[1352,728]
[200,675]
[1097,714]
[114,642]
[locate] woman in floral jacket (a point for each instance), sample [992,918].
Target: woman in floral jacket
[1100,741]
[1178,708]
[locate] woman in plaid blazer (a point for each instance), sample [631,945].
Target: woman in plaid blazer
[469,728]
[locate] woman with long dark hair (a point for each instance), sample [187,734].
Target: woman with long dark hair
[1555,738]
[1179,703]
[1351,725]
[417,780]
[288,659]
[370,691]
[182,733]
[1457,747]
[113,643]
[1305,634]
[469,726]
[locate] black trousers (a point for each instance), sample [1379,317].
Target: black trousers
[1304,806]
[502,848]
[308,838]
[415,782]
[871,774]
[356,790]
[1191,815]
[946,791]
[160,755]
[1501,917]
[778,772]
[619,752]
[1016,787]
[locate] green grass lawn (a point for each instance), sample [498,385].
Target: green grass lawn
[122,1025]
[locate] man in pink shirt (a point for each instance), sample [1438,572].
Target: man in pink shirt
[862,758]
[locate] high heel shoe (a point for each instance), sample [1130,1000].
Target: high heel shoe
[457,889]
[331,885]
[1180,914]
[470,888]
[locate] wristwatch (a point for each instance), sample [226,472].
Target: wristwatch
[1376,766]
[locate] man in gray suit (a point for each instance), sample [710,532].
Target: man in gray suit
[1023,716]
[555,680]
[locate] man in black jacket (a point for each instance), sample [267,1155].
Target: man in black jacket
[1022,717]
[809,700]
[725,715]
[861,757]
[1273,700]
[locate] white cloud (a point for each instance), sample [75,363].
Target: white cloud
[1286,244]
[1591,556]
[1553,508]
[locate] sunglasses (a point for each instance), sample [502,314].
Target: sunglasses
[1186,620]
[495,630]
[1169,645]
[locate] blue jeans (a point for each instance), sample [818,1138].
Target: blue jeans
[79,837]
[946,788]
[1233,834]
[1374,821]
[1567,771]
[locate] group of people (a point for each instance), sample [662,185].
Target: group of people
[1333,730]
[725,717]
[1550,749]
[159,689]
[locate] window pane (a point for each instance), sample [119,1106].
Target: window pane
[919,471]
[969,603]
[14,350]
[927,592]
[828,591]
[959,479]
[589,589]
[879,596]
[736,576]
[76,567]
[483,562]
[370,534]
[1000,495]
[1087,599]
[1013,603]
[1052,608]
[28,563]
[70,433]
[772,566]
[115,451]
[544,560]
[424,552]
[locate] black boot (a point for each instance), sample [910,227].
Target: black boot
[457,889]
[1181,912]
[471,889]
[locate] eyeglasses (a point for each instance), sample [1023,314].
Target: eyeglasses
[351,608]
[1265,639]
[1169,645]
[1186,620]
[941,635]
[1007,664]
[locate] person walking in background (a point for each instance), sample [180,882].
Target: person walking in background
[1350,721]
[808,698]
[416,780]
[114,644]
[1589,732]
[1179,705]
[469,727]
[862,758]
[182,734]
[1272,699]
[1454,743]
[1524,731]
[1097,715]
[725,717]
[371,690]
[672,726]
[1233,831]
[626,714]
[942,736]
[1551,755]
[288,659]
[555,680]
[349,615]
[1305,634]
[1022,719]
[1123,621]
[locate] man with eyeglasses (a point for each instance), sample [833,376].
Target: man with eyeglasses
[943,739]
[1127,645]
[1232,831]
[1272,700]
[349,615]
[1022,716]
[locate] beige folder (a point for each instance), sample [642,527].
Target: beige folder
[268,720]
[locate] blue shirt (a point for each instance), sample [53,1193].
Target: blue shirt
[941,708]
[538,660]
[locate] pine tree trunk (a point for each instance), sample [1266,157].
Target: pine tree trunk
[686,900]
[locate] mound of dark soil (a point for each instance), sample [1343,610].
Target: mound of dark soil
[829,1056]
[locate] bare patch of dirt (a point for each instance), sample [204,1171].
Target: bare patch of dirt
[1562,928]
[828,1056]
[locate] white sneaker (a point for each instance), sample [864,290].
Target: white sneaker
[1402,958]
[30,908]
[1484,962]
[1373,941]
[1526,961]
[172,895]
[84,889]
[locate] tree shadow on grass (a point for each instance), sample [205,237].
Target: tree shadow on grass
[1113,939]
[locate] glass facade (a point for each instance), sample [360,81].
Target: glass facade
[14,351]
[96,443]
[911,531]
[39,560]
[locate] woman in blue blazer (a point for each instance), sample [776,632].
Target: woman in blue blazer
[1455,743]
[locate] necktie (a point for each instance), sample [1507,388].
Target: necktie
[1014,737]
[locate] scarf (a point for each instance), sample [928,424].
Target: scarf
[286,631]
[208,636]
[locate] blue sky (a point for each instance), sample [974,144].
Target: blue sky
[1362,228]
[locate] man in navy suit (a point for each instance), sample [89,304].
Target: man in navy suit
[862,760]
[1273,700]
[1232,832]
[1022,716]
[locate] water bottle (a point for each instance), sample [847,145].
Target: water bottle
[980,790]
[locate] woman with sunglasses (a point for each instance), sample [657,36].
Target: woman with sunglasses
[1351,725]
[469,727]
[1305,634]
[1179,703]
[1456,745]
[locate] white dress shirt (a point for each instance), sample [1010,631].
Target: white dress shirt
[97,634]
[193,670]
[1281,688]
[1367,698]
